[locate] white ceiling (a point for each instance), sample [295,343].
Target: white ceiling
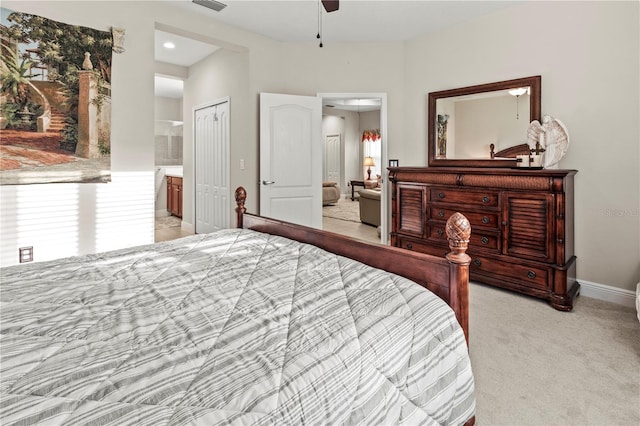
[356,20]
[297,21]
[187,51]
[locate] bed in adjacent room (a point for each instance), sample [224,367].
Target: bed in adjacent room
[241,326]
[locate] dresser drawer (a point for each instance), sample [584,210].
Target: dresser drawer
[479,240]
[489,220]
[421,246]
[460,196]
[522,275]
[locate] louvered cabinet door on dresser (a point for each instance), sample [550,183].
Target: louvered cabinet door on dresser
[521,224]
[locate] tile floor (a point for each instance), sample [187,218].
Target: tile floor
[359,231]
[168,228]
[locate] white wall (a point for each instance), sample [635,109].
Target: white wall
[588,56]
[223,74]
[350,68]
[66,219]
[167,108]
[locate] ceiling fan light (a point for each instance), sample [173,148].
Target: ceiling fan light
[518,92]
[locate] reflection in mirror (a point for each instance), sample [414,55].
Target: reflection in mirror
[477,121]
[465,122]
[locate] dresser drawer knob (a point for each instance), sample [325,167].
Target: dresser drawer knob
[440,232]
[440,194]
[531,274]
[477,262]
[409,246]
[485,240]
[440,213]
[485,199]
[485,219]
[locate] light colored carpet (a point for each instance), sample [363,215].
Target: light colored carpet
[534,365]
[344,209]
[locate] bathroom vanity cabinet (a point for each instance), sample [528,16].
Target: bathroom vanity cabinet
[174,195]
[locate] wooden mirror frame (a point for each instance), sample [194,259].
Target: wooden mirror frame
[535,82]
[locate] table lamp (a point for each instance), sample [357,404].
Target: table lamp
[368,161]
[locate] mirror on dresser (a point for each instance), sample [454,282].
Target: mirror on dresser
[465,121]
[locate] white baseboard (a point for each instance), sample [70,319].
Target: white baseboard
[186,226]
[607,293]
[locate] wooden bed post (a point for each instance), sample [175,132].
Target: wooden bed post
[241,197]
[458,231]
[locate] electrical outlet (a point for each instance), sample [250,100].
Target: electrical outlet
[25,254]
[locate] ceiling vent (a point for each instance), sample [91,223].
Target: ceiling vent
[211,4]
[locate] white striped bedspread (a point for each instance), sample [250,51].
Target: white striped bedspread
[233,327]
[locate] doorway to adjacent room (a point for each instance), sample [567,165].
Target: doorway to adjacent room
[359,120]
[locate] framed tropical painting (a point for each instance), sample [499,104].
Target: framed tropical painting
[55,101]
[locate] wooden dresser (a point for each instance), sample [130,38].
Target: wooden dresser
[521,224]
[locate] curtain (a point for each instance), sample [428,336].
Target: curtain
[372,147]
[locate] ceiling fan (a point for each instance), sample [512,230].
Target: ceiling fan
[331,5]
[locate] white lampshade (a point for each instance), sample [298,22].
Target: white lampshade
[518,92]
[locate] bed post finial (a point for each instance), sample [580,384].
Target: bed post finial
[459,231]
[241,197]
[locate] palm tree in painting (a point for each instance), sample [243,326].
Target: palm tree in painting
[15,75]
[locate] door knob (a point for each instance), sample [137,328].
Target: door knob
[268,182]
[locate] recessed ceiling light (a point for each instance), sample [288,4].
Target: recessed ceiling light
[169,45]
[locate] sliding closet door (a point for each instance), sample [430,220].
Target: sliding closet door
[211,138]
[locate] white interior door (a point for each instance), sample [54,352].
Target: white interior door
[211,138]
[332,156]
[290,158]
